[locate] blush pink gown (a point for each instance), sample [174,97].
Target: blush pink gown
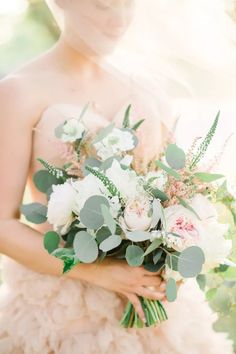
[44,314]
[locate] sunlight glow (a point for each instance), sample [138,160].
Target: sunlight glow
[12,7]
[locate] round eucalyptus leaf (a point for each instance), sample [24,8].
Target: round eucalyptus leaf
[110,243]
[108,218]
[190,262]
[34,212]
[91,214]
[85,247]
[171,290]
[175,157]
[134,256]
[51,241]
[138,236]
[43,180]
[102,234]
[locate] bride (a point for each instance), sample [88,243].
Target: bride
[42,311]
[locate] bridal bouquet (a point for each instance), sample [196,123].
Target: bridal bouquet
[100,206]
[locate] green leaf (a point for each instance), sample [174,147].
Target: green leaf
[43,180]
[187,206]
[63,253]
[138,236]
[201,280]
[168,170]
[34,212]
[105,180]
[126,121]
[211,293]
[205,144]
[171,290]
[175,157]
[208,177]
[172,260]
[138,124]
[191,261]
[91,214]
[91,162]
[134,256]
[59,130]
[156,193]
[156,212]
[157,256]
[108,218]
[70,263]
[103,133]
[110,243]
[85,247]
[51,241]
[153,246]
[102,234]
[57,172]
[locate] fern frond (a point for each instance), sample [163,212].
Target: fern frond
[54,171]
[205,144]
[105,180]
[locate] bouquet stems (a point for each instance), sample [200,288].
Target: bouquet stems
[154,313]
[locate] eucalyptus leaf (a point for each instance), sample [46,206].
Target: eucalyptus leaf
[201,280]
[110,243]
[91,214]
[34,212]
[126,121]
[153,246]
[138,124]
[44,180]
[103,133]
[171,290]
[85,247]
[102,234]
[172,260]
[134,256]
[156,212]
[190,262]
[51,241]
[208,177]
[108,218]
[175,157]
[168,170]
[138,236]
[59,130]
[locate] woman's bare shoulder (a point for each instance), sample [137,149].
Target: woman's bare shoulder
[26,92]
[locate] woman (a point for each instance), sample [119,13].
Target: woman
[41,311]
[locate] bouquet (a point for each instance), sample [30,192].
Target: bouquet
[100,206]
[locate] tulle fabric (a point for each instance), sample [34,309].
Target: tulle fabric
[57,315]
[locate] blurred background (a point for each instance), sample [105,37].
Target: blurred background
[26,30]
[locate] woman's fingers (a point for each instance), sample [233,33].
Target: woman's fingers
[137,305]
[150,293]
[152,281]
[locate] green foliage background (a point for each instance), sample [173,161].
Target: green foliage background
[34,31]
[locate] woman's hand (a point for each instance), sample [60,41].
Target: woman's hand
[118,276]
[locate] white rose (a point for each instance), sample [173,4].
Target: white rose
[61,204]
[73,130]
[116,142]
[136,214]
[86,188]
[126,181]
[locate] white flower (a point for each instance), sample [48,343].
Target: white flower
[73,130]
[159,181]
[60,206]
[87,187]
[116,142]
[156,234]
[127,160]
[206,233]
[137,214]
[126,181]
[115,206]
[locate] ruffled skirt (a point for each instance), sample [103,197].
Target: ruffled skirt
[43,314]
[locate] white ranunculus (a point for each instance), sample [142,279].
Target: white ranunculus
[126,181]
[61,204]
[116,142]
[136,214]
[73,130]
[159,181]
[86,188]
